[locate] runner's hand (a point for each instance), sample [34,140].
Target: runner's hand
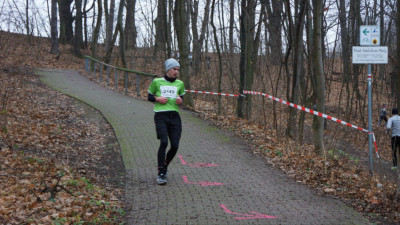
[162,100]
[178,100]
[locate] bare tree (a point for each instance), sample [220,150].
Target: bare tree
[54,32]
[397,80]
[318,72]
[96,31]
[274,10]
[121,33]
[130,24]
[221,20]
[28,33]
[231,26]
[161,25]
[249,42]
[356,22]
[382,33]
[78,41]
[199,41]
[219,58]
[109,15]
[345,41]
[66,21]
[182,28]
[298,73]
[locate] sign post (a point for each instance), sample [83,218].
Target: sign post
[369,79]
[370,54]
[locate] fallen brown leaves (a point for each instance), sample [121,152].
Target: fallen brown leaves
[335,173]
[52,153]
[36,190]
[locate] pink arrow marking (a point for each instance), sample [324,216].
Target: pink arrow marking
[254,215]
[201,183]
[197,164]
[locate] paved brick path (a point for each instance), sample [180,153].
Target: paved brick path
[215,179]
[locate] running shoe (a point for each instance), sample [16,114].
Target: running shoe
[162,178]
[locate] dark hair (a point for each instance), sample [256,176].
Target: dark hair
[395,111]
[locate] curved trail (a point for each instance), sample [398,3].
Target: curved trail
[214,179]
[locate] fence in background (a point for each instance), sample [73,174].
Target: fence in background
[91,64]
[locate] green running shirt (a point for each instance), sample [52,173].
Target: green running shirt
[171,90]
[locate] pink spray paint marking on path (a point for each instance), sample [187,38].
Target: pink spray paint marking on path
[254,215]
[201,183]
[197,164]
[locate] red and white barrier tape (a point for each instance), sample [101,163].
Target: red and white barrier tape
[294,106]
[315,113]
[213,93]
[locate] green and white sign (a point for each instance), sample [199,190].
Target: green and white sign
[370,35]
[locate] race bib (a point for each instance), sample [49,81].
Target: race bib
[169,91]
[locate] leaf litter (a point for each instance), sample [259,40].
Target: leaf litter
[51,129]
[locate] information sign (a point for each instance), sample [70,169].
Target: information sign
[370,35]
[370,55]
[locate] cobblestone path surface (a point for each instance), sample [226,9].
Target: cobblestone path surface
[214,179]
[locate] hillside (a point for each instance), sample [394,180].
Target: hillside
[48,137]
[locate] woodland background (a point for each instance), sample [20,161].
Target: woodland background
[297,50]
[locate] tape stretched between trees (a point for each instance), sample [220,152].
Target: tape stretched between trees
[317,114]
[214,93]
[297,107]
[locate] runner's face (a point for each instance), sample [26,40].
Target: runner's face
[173,73]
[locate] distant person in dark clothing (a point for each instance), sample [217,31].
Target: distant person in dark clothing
[394,125]
[208,62]
[382,115]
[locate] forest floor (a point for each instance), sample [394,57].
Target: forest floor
[55,169]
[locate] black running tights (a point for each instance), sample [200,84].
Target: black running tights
[168,125]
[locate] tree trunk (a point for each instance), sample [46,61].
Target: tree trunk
[345,52]
[194,13]
[54,32]
[240,108]
[160,43]
[382,35]
[78,41]
[221,17]
[397,91]
[28,33]
[66,21]
[121,33]
[130,25]
[168,29]
[85,27]
[355,9]
[275,33]
[318,71]
[85,20]
[182,32]
[110,48]
[292,131]
[198,41]
[231,26]
[248,55]
[96,31]
[219,58]
[309,33]
[109,14]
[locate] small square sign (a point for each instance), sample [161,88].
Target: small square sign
[370,35]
